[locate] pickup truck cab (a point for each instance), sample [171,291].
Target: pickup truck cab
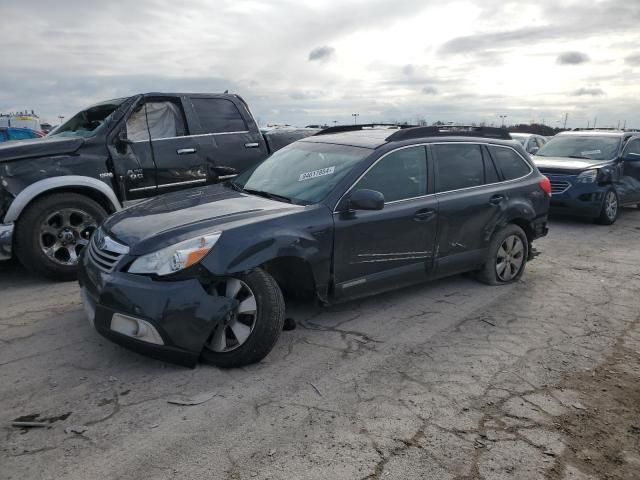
[55,191]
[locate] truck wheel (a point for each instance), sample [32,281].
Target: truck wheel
[248,334]
[610,208]
[53,230]
[506,257]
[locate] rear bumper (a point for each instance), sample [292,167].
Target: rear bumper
[181,312]
[6,240]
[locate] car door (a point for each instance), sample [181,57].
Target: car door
[233,141]
[132,157]
[178,155]
[470,200]
[630,181]
[392,245]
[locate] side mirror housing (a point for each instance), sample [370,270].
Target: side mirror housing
[365,199]
[533,150]
[122,141]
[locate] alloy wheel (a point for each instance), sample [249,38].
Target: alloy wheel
[64,234]
[611,205]
[236,328]
[510,258]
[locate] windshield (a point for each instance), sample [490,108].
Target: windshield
[87,122]
[588,147]
[302,172]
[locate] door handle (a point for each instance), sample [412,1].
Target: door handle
[422,215]
[185,151]
[252,145]
[496,199]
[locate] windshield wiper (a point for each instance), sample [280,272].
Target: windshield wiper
[271,196]
[580,157]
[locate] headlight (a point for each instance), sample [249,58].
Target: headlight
[588,176]
[176,257]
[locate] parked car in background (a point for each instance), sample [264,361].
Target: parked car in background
[8,134]
[593,173]
[351,211]
[54,192]
[530,142]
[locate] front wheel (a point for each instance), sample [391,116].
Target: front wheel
[53,230]
[249,332]
[506,258]
[610,208]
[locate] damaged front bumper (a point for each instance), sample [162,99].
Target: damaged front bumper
[167,320]
[6,240]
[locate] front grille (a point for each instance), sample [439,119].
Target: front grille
[105,252]
[559,186]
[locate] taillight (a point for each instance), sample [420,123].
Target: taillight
[545,185]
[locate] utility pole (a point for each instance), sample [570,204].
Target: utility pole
[502,117]
[624,127]
[566,117]
[618,127]
[595,120]
[61,117]
[335,122]
[355,118]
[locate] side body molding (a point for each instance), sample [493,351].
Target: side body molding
[43,186]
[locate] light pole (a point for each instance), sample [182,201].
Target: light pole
[355,118]
[61,117]
[335,122]
[502,117]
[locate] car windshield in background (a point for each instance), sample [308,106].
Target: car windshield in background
[87,122]
[588,147]
[519,138]
[302,172]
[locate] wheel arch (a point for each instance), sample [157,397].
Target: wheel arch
[294,275]
[99,191]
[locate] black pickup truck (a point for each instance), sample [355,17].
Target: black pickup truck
[54,192]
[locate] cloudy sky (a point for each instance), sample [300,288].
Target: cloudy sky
[302,62]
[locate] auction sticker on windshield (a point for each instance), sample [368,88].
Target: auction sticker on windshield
[591,152]
[317,173]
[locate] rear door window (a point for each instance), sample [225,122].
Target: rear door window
[458,166]
[509,163]
[218,115]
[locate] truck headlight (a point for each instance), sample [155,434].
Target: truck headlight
[176,257]
[588,176]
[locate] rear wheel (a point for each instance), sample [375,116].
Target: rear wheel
[249,333]
[53,230]
[610,208]
[506,258]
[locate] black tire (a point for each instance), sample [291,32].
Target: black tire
[489,272]
[268,325]
[607,216]
[29,241]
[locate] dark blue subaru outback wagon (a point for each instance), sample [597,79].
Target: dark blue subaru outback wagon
[348,212]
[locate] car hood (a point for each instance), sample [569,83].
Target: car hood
[566,165]
[39,147]
[174,217]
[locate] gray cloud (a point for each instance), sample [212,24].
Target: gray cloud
[572,58]
[430,90]
[321,53]
[584,91]
[633,59]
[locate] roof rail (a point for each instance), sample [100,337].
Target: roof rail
[362,126]
[420,132]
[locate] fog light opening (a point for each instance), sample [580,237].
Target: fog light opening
[135,328]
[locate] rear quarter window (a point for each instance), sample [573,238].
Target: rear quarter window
[509,163]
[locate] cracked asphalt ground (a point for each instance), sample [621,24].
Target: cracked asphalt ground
[446,380]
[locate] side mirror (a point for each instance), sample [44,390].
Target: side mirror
[122,138]
[365,199]
[631,157]
[534,150]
